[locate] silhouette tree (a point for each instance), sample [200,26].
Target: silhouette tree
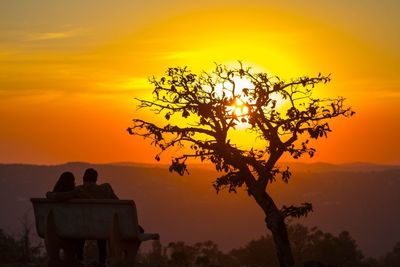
[203,110]
[310,246]
[392,259]
[19,249]
[208,254]
[156,256]
[9,248]
[258,252]
[315,245]
[181,254]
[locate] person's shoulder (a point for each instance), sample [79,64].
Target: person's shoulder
[106,185]
[107,189]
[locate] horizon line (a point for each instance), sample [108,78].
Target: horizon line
[198,164]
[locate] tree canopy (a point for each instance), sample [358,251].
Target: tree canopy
[207,102]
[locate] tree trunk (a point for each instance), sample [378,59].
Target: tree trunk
[275,222]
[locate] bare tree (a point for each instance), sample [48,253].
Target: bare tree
[203,110]
[29,251]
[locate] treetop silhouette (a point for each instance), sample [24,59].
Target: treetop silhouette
[201,114]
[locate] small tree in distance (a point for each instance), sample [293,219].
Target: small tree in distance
[207,104]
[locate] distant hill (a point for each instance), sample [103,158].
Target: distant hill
[361,198]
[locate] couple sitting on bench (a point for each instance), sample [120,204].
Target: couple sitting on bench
[65,189]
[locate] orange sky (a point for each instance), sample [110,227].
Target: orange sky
[69,70]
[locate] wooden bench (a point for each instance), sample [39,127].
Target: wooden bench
[59,223]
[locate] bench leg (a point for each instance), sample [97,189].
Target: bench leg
[54,244]
[122,252]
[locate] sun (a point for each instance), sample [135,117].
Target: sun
[242,103]
[240,108]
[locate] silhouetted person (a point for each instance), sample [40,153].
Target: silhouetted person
[65,183]
[89,190]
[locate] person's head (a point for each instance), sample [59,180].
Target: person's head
[66,182]
[90,176]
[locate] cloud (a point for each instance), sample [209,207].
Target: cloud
[44,36]
[126,84]
[176,55]
[388,94]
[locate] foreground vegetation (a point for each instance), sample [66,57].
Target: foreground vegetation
[18,250]
[309,245]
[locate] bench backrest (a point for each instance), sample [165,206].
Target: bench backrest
[86,218]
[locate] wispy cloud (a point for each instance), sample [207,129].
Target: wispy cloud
[175,55]
[44,36]
[126,83]
[123,85]
[387,94]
